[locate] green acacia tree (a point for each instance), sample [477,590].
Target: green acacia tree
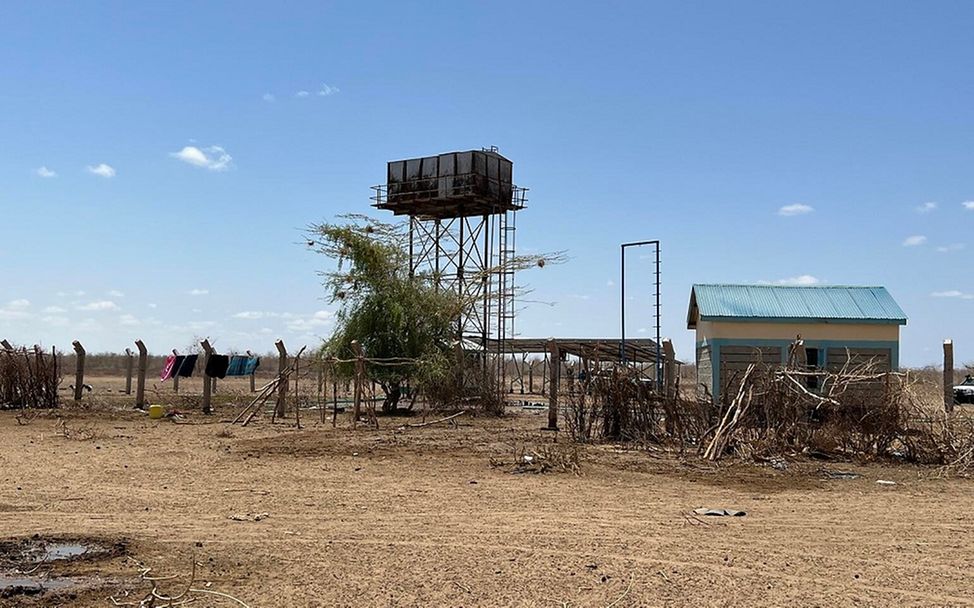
[396,315]
[391,314]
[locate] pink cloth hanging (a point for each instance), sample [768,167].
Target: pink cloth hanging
[167,368]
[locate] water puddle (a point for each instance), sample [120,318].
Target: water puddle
[55,551]
[20,584]
[29,566]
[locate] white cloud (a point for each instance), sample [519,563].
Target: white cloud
[213,158]
[327,90]
[20,304]
[950,248]
[116,294]
[926,207]
[53,310]
[45,172]
[89,325]
[802,279]
[952,293]
[199,292]
[913,241]
[969,205]
[610,283]
[255,314]
[55,320]
[152,305]
[269,98]
[318,319]
[795,209]
[302,94]
[128,320]
[100,305]
[102,170]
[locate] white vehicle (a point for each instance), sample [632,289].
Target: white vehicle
[964,392]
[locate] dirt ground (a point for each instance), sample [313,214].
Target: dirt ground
[433,516]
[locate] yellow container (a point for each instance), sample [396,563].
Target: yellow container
[156,412]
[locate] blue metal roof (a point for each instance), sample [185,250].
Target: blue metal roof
[779,303]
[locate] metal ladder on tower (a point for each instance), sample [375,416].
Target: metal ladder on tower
[506,291]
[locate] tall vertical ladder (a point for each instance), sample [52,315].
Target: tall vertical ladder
[505,292]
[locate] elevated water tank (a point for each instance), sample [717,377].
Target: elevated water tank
[454,184]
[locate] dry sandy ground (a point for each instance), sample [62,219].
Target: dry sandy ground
[419,517]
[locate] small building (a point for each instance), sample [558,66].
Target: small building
[737,325]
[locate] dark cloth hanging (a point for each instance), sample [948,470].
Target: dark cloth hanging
[186,366]
[252,364]
[167,369]
[238,365]
[217,366]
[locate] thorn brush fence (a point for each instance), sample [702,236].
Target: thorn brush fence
[28,378]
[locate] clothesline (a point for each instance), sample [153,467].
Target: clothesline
[218,366]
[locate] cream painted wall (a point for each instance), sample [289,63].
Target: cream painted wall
[709,330]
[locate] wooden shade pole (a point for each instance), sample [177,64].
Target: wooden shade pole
[553,381]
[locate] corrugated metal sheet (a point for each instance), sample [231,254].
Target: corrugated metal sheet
[776,302]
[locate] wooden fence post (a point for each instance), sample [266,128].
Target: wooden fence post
[207,383]
[128,371]
[175,376]
[140,380]
[555,369]
[253,381]
[334,392]
[6,345]
[948,376]
[321,384]
[79,374]
[280,408]
[669,369]
[359,380]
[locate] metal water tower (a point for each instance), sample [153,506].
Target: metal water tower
[462,209]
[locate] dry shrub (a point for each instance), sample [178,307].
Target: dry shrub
[859,411]
[543,458]
[28,379]
[75,432]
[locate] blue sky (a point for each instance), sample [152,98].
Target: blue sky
[158,160]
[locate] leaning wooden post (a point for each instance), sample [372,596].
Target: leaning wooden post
[79,374]
[948,376]
[553,382]
[359,380]
[279,409]
[129,362]
[6,345]
[207,381]
[140,380]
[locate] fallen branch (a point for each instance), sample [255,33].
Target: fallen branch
[431,422]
